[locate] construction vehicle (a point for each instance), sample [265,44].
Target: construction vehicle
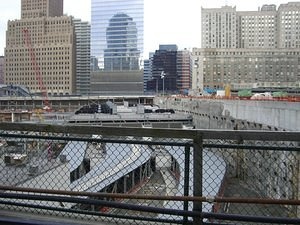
[27,39]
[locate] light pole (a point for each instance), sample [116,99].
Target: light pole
[162,76]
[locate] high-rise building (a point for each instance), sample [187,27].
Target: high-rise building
[1,69]
[246,49]
[171,70]
[40,49]
[164,62]
[117,36]
[288,24]
[219,27]
[83,56]
[41,8]
[257,29]
[121,38]
[184,71]
[148,70]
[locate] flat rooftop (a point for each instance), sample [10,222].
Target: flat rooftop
[130,115]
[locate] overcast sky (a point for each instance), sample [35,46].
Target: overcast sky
[166,21]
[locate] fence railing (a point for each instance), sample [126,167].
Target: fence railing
[151,175]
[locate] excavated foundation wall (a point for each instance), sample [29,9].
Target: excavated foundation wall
[272,173]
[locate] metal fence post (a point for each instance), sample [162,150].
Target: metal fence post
[197,176]
[298,183]
[187,152]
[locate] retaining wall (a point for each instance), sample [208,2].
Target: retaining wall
[220,114]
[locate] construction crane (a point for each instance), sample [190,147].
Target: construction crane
[36,68]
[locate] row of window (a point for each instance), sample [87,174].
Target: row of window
[43,49]
[258,18]
[247,78]
[36,82]
[49,75]
[58,21]
[254,53]
[52,73]
[41,60]
[256,68]
[18,40]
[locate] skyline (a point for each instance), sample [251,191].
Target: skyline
[178,27]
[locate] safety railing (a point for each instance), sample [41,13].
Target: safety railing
[152,176]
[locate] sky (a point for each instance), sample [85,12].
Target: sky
[165,22]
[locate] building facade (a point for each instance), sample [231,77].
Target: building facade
[40,49]
[83,56]
[184,71]
[117,34]
[117,83]
[248,49]
[121,52]
[164,62]
[41,8]
[171,70]
[219,27]
[289,25]
[246,68]
[117,39]
[148,70]
[1,69]
[258,29]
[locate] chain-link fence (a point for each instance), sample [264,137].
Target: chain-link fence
[151,175]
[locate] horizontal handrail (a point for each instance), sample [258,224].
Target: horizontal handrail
[209,199]
[155,132]
[229,217]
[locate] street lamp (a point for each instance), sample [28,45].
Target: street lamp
[162,76]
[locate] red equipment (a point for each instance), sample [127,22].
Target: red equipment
[36,69]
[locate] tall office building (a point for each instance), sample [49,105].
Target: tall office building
[40,48]
[83,56]
[288,25]
[117,35]
[247,49]
[1,69]
[184,71]
[148,70]
[258,29]
[169,71]
[219,27]
[41,8]
[121,38]
[164,61]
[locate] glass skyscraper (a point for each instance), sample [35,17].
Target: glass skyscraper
[117,34]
